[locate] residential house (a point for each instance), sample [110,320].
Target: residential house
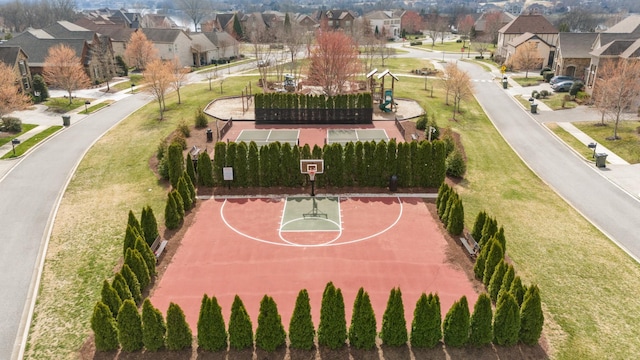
[171,43]
[227,46]
[482,32]
[204,51]
[572,54]
[620,42]
[306,21]
[157,22]
[514,7]
[543,48]
[336,19]
[95,51]
[387,23]
[17,59]
[534,24]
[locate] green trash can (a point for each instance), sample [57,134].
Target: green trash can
[505,83]
[601,160]
[534,108]
[66,120]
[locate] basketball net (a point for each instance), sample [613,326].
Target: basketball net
[312,175]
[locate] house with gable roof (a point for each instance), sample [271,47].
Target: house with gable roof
[17,59]
[336,19]
[171,43]
[572,54]
[388,23]
[537,25]
[620,42]
[94,51]
[545,50]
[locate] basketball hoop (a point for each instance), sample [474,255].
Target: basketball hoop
[312,175]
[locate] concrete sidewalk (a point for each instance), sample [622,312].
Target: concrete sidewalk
[38,114]
[617,170]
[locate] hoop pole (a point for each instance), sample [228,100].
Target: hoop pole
[312,178]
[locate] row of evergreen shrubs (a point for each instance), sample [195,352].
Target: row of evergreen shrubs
[133,332]
[450,209]
[416,164]
[503,286]
[301,101]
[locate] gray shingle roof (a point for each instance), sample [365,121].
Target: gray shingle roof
[161,35]
[576,45]
[37,49]
[614,48]
[9,55]
[536,24]
[631,24]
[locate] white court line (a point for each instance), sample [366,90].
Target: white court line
[330,243]
[239,136]
[268,140]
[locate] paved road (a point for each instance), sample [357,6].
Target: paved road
[614,211]
[30,193]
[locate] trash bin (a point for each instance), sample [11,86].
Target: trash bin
[66,120]
[209,135]
[393,183]
[534,108]
[601,160]
[505,84]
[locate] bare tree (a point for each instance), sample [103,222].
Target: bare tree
[103,54]
[481,47]
[464,27]
[64,69]
[526,58]
[262,52]
[617,89]
[412,22]
[382,50]
[158,78]
[493,23]
[366,41]
[457,83]
[179,77]
[210,75]
[294,42]
[11,99]
[140,50]
[334,61]
[196,10]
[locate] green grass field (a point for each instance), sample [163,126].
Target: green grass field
[7,139]
[590,288]
[627,147]
[31,142]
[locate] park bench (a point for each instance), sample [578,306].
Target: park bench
[194,152]
[158,247]
[471,245]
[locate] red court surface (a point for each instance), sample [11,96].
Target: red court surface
[235,247]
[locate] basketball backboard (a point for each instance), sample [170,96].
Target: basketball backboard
[312,164]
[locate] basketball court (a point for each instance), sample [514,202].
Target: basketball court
[280,245]
[344,136]
[264,137]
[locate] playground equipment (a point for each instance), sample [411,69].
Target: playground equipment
[387,100]
[378,91]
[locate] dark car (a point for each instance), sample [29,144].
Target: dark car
[562,86]
[560,78]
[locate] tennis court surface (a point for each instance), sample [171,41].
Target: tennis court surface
[264,137]
[344,136]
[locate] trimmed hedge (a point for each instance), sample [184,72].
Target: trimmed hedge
[301,330]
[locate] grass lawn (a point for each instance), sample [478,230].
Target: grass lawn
[532,80]
[553,101]
[61,105]
[96,107]
[571,141]
[25,128]
[135,79]
[448,46]
[590,288]
[31,142]
[627,147]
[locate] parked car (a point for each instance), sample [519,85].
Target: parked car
[263,63]
[562,86]
[560,78]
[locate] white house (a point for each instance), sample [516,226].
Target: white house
[388,23]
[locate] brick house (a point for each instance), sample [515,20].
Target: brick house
[16,58]
[534,24]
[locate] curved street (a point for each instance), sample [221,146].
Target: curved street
[32,189]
